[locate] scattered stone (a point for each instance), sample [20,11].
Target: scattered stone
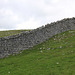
[54,39]
[71,46]
[72,51]
[48,49]
[8,72]
[63,54]
[43,48]
[41,51]
[20,52]
[63,34]
[59,39]
[52,48]
[57,63]
[60,46]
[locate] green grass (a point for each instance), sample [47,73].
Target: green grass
[10,32]
[53,57]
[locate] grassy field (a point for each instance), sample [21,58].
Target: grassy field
[10,32]
[53,57]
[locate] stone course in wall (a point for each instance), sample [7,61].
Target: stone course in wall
[25,40]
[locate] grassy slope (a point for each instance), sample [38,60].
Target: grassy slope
[10,32]
[53,57]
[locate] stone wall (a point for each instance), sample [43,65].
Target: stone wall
[14,44]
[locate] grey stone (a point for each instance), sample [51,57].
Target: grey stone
[25,40]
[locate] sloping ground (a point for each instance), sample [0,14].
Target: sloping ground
[56,56]
[10,32]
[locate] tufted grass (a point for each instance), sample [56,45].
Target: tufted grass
[55,56]
[10,32]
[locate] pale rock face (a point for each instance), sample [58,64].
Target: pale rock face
[14,44]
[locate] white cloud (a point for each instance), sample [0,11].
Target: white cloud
[26,14]
[55,1]
[30,24]
[6,12]
[8,19]
[6,1]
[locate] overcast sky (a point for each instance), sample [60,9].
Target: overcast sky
[30,14]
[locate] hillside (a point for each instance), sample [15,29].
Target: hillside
[55,56]
[10,32]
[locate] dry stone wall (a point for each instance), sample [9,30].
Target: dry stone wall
[14,44]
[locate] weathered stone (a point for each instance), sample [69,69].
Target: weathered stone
[25,40]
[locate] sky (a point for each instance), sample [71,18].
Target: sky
[31,14]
